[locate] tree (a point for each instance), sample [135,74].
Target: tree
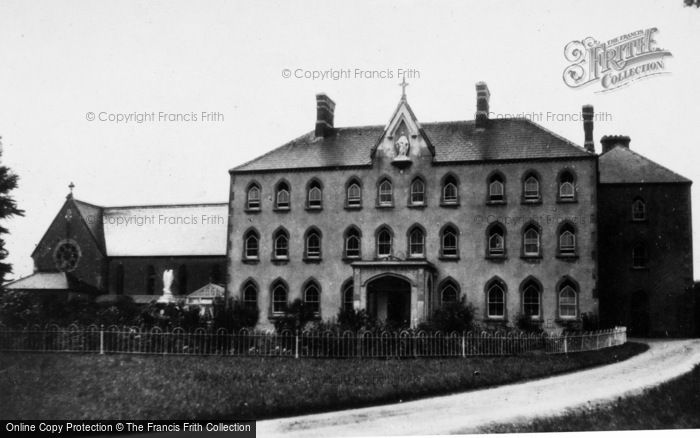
[8,208]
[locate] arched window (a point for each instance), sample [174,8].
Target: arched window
[496,245]
[497,188]
[253,197]
[531,292]
[568,302]
[314,197]
[385,193]
[495,299]
[352,243]
[450,190]
[418,192]
[640,257]
[567,240]
[567,186]
[531,241]
[312,296]
[281,244]
[251,247]
[150,280]
[348,296]
[250,295]
[449,292]
[531,187]
[313,244]
[279,297]
[639,210]
[384,242]
[416,242]
[449,239]
[182,280]
[353,194]
[282,196]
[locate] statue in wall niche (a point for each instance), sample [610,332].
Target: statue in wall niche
[402,146]
[167,296]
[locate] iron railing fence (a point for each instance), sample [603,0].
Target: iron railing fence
[312,344]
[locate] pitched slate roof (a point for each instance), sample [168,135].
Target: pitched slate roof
[50,281]
[622,165]
[158,230]
[503,139]
[166,230]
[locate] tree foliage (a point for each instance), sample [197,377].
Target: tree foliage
[8,209]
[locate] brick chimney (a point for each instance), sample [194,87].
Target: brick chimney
[482,105]
[325,109]
[587,113]
[610,141]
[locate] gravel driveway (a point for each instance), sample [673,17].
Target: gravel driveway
[465,412]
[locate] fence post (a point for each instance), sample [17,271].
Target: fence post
[102,339]
[464,347]
[296,344]
[566,349]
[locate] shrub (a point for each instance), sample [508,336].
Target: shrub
[451,317]
[235,316]
[295,317]
[355,320]
[525,323]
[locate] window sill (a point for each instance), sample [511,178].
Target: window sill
[449,258]
[353,207]
[252,210]
[416,257]
[351,259]
[314,209]
[250,261]
[531,202]
[497,258]
[281,209]
[532,257]
[495,318]
[567,200]
[568,257]
[280,261]
[417,206]
[496,202]
[449,204]
[314,260]
[385,205]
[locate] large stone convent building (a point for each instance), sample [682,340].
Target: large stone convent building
[399,219]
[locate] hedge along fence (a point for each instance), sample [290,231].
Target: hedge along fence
[313,344]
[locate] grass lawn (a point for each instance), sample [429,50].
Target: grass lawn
[673,405]
[81,386]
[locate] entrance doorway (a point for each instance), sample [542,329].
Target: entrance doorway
[639,314]
[389,300]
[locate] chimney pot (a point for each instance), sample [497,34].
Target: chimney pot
[611,141]
[325,110]
[483,95]
[587,113]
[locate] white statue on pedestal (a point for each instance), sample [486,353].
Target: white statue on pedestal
[167,296]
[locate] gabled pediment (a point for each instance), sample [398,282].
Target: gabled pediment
[403,137]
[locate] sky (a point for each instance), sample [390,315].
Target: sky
[65,60]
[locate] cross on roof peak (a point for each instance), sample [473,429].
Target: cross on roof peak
[403,86]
